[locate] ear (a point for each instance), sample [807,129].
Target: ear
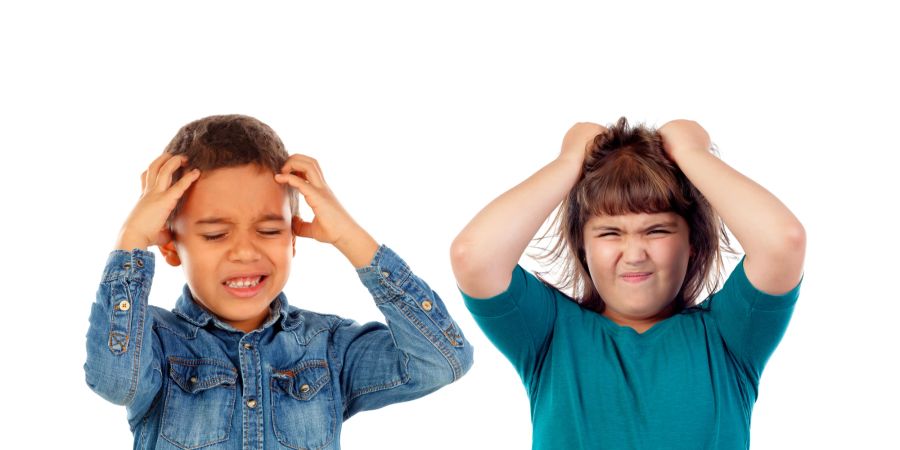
[169,252]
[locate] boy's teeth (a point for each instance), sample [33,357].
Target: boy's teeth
[243,282]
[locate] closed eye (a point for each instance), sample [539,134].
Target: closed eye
[270,232]
[214,237]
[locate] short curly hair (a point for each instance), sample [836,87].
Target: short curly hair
[217,142]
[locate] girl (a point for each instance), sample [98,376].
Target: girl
[631,360]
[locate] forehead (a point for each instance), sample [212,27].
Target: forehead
[635,220]
[242,192]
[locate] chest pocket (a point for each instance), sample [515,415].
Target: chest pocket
[303,407]
[199,402]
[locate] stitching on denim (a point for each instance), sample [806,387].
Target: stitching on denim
[138,340]
[170,390]
[323,380]
[435,340]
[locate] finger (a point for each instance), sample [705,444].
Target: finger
[143,180]
[305,167]
[164,178]
[304,229]
[153,170]
[181,186]
[306,188]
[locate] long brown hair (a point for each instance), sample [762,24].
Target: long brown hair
[626,171]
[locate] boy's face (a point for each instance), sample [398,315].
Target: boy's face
[233,236]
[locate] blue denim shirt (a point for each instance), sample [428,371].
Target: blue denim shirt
[191,381]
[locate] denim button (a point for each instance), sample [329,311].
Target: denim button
[304,388]
[251,403]
[248,345]
[193,379]
[139,263]
[386,274]
[124,305]
[126,266]
[426,305]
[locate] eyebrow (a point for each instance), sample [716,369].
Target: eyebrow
[668,224]
[270,217]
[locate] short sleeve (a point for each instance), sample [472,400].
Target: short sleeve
[751,321]
[519,321]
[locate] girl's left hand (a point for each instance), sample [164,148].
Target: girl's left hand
[681,136]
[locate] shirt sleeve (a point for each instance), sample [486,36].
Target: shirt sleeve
[419,350]
[123,362]
[751,321]
[519,321]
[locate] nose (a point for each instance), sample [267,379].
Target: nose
[634,250]
[243,249]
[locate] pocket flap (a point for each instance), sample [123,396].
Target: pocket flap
[194,375]
[303,381]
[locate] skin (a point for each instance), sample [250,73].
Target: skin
[237,222]
[485,252]
[638,263]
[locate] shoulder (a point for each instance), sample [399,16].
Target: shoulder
[307,324]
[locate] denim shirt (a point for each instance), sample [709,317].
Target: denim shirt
[191,381]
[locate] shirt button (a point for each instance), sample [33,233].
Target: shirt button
[248,345]
[304,388]
[124,305]
[386,274]
[139,263]
[426,305]
[193,379]
[251,403]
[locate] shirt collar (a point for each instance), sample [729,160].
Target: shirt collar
[188,309]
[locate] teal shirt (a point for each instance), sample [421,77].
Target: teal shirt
[689,382]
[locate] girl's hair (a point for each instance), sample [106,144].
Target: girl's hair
[627,171]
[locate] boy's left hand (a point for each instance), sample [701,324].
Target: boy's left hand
[331,223]
[681,136]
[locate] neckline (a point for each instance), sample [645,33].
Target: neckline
[623,330]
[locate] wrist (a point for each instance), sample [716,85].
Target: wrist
[357,246]
[129,240]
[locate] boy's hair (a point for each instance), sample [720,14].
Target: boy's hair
[627,171]
[217,142]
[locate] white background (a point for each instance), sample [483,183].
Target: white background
[419,114]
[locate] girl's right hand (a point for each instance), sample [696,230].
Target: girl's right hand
[578,139]
[146,225]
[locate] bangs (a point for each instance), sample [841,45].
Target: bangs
[626,183]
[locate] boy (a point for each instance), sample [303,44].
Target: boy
[233,366]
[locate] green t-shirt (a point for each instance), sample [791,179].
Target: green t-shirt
[689,382]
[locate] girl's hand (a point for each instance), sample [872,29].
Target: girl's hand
[681,136]
[146,225]
[578,139]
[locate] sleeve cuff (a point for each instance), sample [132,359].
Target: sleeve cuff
[501,303]
[132,264]
[760,300]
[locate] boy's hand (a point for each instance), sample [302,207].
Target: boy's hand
[331,223]
[578,139]
[681,136]
[146,225]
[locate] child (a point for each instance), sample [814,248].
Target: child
[631,361]
[234,366]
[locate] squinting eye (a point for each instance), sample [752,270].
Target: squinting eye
[270,232]
[660,231]
[213,237]
[607,234]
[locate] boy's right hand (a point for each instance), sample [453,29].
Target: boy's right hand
[146,225]
[577,140]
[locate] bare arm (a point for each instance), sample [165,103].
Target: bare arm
[773,239]
[487,250]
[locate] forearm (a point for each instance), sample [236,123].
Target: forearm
[767,230]
[421,348]
[120,355]
[358,247]
[485,252]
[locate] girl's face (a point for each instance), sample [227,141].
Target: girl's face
[637,263]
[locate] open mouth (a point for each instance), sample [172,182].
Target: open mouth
[245,286]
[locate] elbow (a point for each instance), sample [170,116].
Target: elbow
[465,260]
[113,389]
